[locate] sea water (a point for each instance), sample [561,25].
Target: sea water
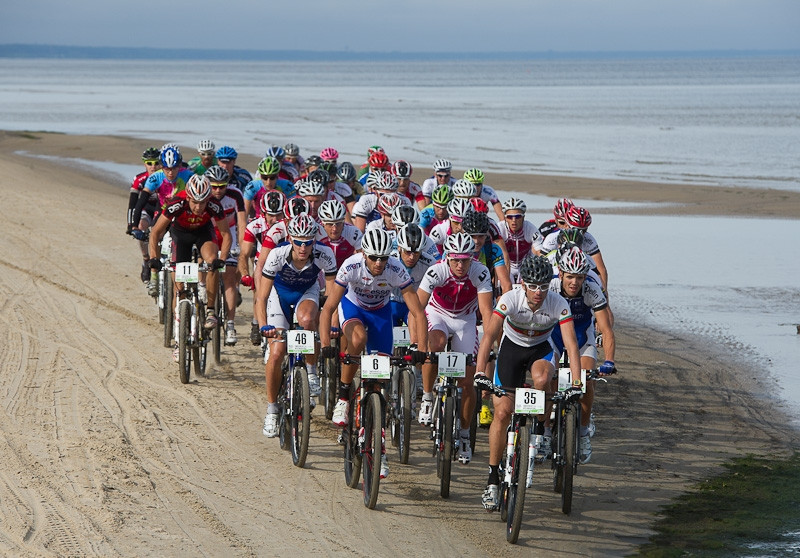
[714,121]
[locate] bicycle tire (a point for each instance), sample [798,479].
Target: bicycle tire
[169,316]
[393,408]
[352,453]
[518,487]
[283,405]
[570,451]
[371,461]
[436,432]
[301,416]
[160,300]
[184,350]
[557,450]
[473,424]
[331,385]
[199,352]
[448,440]
[405,391]
[216,333]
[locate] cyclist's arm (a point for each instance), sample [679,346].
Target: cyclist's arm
[360,222]
[424,296]
[156,234]
[417,312]
[245,250]
[241,224]
[601,270]
[603,318]
[499,210]
[227,239]
[263,289]
[571,346]
[485,306]
[335,293]
[491,332]
[144,196]
[504,276]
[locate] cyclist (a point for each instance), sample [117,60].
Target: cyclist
[521,237]
[292,163]
[314,189]
[293,270]
[365,210]
[188,216]
[167,182]
[409,214]
[523,320]
[559,217]
[436,212]
[346,173]
[268,179]
[387,204]
[456,210]
[442,169]
[343,238]
[405,187]
[487,252]
[451,291]
[364,169]
[233,206]
[329,154]
[152,163]
[361,292]
[376,163]
[486,193]
[239,177]
[580,218]
[337,190]
[207,156]
[587,303]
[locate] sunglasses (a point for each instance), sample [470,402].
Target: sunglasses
[207,153]
[152,163]
[378,258]
[443,175]
[219,186]
[561,222]
[543,288]
[302,242]
[269,177]
[514,217]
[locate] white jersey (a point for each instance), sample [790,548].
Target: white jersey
[369,291]
[521,243]
[430,184]
[489,195]
[417,272]
[345,191]
[455,296]
[292,279]
[527,328]
[589,245]
[278,233]
[440,232]
[368,203]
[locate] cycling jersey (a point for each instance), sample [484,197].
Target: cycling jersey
[399,307]
[240,179]
[278,233]
[590,300]
[345,191]
[520,243]
[441,231]
[589,245]
[366,207]
[526,327]
[413,193]
[489,195]
[430,184]
[547,227]
[254,232]
[157,182]
[347,244]
[196,165]
[177,210]
[427,219]
[369,291]
[491,255]
[455,296]
[255,190]
[150,207]
[289,281]
[232,202]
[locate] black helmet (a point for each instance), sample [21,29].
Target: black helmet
[569,235]
[151,154]
[217,174]
[410,238]
[346,172]
[320,177]
[536,269]
[475,223]
[329,167]
[313,161]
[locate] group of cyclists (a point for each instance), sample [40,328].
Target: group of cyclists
[353,251]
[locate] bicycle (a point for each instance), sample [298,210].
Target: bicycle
[192,337]
[330,373]
[518,462]
[294,399]
[364,433]
[401,396]
[446,424]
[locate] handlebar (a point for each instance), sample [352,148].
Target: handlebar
[482,382]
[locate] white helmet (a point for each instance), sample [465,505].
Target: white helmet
[310,188]
[302,226]
[459,243]
[464,189]
[377,242]
[459,207]
[198,188]
[386,181]
[515,204]
[331,211]
[206,145]
[442,165]
[573,261]
[404,215]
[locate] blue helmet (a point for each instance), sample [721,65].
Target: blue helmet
[276,151]
[171,158]
[226,152]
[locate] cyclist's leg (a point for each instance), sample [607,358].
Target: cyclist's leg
[277,348]
[438,332]
[230,280]
[307,314]
[465,340]
[209,251]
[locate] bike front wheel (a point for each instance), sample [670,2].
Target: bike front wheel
[446,448]
[199,350]
[371,459]
[570,450]
[184,349]
[331,375]
[300,416]
[216,333]
[169,316]
[405,392]
[352,453]
[518,486]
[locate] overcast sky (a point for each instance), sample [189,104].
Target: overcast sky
[408,25]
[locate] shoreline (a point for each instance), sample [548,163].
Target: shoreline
[85,371]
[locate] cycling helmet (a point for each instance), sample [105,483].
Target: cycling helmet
[151,154]
[402,169]
[442,165]
[312,186]
[331,211]
[313,161]
[329,154]
[217,174]
[269,166]
[374,149]
[378,160]
[173,145]
[573,261]
[569,235]
[563,249]
[206,145]
[514,204]
[372,179]
[346,172]
[578,217]
[276,151]
[328,167]
[171,158]
[198,188]
[475,223]
[459,243]
[388,202]
[376,242]
[536,270]
[405,215]
[272,202]
[464,189]
[458,208]
[561,208]
[479,205]
[296,206]
[291,149]
[386,181]
[475,176]
[319,176]
[410,238]
[226,152]
[442,195]
[302,226]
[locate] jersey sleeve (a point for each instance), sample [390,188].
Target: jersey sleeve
[326,260]
[431,279]
[273,264]
[483,279]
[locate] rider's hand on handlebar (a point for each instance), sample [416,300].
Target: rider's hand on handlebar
[138,234]
[607,367]
[328,352]
[268,331]
[218,264]
[418,357]
[247,281]
[154,263]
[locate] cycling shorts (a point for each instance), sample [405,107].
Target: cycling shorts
[183,240]
[399,312]
[377,322]
[463,330]
[279,308]
[514,361]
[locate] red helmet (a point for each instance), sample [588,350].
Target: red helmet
[378,160]
[479,205]
[388,202]
[562,207]
[578,217]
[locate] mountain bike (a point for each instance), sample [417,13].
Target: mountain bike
[517,465]
[330,373]
[401,396]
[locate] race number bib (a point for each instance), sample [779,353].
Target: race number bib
[452,365]
[300,341]
[400,337]
[375,367]
[529,401]
[186,272]
[565,379]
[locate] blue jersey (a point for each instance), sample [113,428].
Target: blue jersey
[253,187]
[583,306]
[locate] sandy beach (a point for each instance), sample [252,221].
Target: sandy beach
[104,453]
